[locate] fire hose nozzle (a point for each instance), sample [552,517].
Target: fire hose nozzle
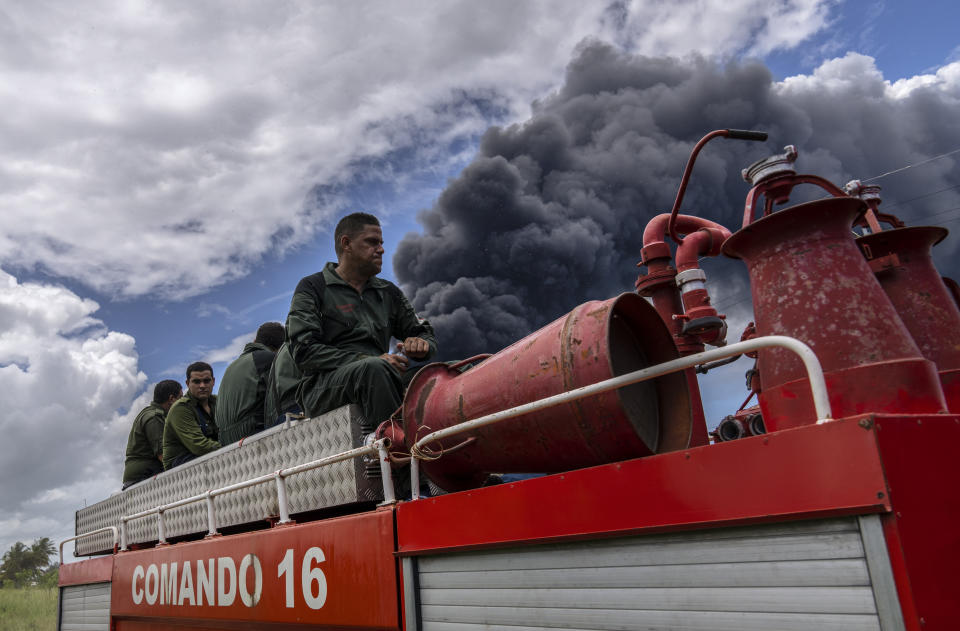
[866,192]
[772,166]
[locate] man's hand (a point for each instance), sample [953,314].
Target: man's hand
[415,347]
[397,361]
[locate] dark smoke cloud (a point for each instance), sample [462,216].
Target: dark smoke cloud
[551,213]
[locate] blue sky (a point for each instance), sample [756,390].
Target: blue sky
[169,172]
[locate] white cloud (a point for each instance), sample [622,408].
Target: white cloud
[231,351]
[755,27]
[859,73]
[163,148]
[64,376]
[945,79]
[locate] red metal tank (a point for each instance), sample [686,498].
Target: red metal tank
[903,265]
[596,341]
[809,281]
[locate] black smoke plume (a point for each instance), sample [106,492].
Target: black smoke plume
[551,213]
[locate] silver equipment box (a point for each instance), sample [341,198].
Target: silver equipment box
[355,481]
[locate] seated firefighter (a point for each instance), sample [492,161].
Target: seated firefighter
[282,385]
[243,387]
[340,324]
[191,428]
[144,457]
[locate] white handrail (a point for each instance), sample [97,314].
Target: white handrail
[377,447]
[112,529]
[818,386]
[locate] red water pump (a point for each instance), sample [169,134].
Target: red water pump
[901,259]
[810,281]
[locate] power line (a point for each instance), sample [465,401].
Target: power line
[913,199]
[936,214]
[910,166]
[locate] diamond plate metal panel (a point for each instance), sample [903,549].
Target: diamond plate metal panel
[279,447]
[99,515]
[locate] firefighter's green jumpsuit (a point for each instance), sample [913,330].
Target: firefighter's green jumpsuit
[336,336]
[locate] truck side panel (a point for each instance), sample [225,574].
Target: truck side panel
[799,575]
[334,573]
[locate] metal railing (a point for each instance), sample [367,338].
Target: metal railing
[98,531]
[377,447]
[818,387]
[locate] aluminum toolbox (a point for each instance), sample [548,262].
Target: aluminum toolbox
[350,482]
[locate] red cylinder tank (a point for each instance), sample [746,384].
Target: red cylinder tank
[809,281]
[596,341]
[903,265]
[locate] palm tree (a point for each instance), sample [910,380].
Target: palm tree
[23,566]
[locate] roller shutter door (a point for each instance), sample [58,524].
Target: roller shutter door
[801,575]
[85,607]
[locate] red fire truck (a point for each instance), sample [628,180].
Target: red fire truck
[828,505]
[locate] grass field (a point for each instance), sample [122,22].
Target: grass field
[28,609]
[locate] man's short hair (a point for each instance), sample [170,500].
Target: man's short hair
[198,367]
[166,389]
[352,225]
[271,335]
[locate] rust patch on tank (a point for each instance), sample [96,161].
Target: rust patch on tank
[599,314]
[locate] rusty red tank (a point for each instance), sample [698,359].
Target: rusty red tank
[809,281]
[596,341]
[903,265]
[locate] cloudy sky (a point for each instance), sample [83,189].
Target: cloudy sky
[168,171]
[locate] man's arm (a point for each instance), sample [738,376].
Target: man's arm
[262,363]
[305,335]
[153,429]
[419,341]
[181,420]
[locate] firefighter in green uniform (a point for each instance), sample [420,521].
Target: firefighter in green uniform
[340,324]
[191,428]
[282,385]
[144,457]
[243,386]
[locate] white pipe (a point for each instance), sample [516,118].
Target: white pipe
[415,478]
[211,514]
[818,386]
[112,529]
[386,472]
[282,499]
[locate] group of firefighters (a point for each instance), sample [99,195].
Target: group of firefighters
[334,350]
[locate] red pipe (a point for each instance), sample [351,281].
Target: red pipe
[693,317]
[777,190]
[688,225]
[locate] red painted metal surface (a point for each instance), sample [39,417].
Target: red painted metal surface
[698,429]
[596,341]
[339,572]
[908,276]
[920,461]
[776,190]
[898,566]
[95,570]
[818,470]
[678,309]
[809,281]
